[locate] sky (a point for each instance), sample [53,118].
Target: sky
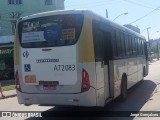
[141,13]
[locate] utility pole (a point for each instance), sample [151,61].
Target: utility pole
[148,33]
[106,13]
[149,44]
[158,49]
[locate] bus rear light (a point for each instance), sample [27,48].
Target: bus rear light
[17,81]
[85,81]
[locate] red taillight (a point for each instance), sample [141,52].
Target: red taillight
[85,81]
[17,81]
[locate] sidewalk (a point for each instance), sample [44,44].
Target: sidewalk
[153,103]
[7,94]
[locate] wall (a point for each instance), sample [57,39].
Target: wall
[27,7]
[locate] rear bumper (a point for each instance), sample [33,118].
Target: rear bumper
[81,99]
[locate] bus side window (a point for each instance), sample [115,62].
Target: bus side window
[107,46]
[102,42]
[114,44]
[143,47]
[123,44]
[133,46]
[137,50]
[127,45]
[98,43]
[130,45]
[135,42]
[119,46]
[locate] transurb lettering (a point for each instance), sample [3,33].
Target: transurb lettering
[6,51]
[47,60]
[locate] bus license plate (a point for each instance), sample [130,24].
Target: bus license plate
[49,85]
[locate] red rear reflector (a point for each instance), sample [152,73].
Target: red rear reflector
[85,81]
[84,74]
[17,81]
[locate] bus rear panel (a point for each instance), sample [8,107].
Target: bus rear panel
[49,71]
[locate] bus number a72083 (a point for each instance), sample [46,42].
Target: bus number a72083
[64,68]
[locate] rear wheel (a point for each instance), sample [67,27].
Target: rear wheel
[123,95]
[144,72]
[27,104]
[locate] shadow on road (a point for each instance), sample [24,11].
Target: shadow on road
[137,97]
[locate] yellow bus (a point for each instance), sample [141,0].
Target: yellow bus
[77,58]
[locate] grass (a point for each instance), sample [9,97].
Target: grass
[8,87]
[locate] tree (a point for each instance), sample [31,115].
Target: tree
[14,16]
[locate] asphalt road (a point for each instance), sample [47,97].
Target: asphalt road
[138,96]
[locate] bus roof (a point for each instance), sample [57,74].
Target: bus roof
[83,11]
[56,12]
[116,25]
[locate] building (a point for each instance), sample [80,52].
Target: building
[11,10]
[155,48]
[6,61]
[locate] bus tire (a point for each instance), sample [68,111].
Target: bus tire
[144,71]
[27,104]
[123,95]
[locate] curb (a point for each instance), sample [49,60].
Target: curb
[155,91]
[9,96]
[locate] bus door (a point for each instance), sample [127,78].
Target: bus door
[102,61]
[106,58]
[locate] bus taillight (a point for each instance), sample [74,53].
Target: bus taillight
[17,81]
[85,81]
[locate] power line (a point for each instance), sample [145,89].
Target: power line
[85,4]
[89,4]
[142,5]
[144,2]
[101,4]
[145,15]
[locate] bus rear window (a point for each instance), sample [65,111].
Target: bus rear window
[50,31]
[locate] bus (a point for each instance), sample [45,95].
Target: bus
[76,58]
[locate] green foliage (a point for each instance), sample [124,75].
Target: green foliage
[154,48]
[8,87]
